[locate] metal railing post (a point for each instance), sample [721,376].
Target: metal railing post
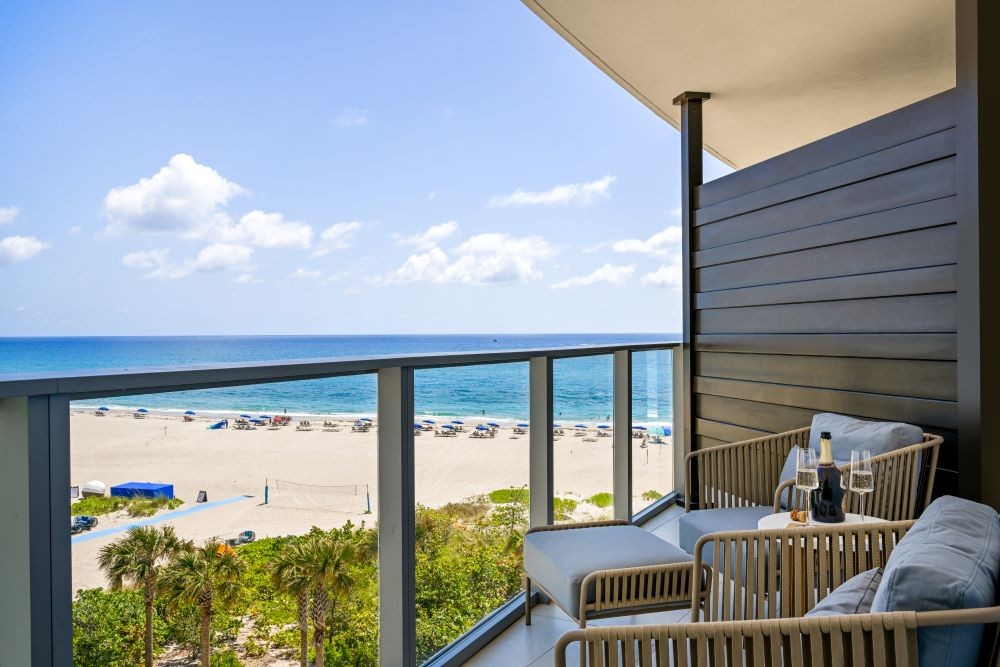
[540,442]
[678,411]
[34,518]
[396,517]
[622,445]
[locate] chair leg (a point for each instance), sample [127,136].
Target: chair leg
[527,601]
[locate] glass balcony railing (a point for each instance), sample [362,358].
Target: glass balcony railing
[398,528]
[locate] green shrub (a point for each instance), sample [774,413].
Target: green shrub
[108,628]
[651,495]
[562,508]
[602,500]
[98,505]
[510,495]
[225,659]
[150,506]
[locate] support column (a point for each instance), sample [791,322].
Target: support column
[622,445]
[977,144]
[35,563]
[396,511]
[691,177]
[540,442]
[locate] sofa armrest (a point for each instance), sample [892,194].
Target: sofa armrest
[784,573]
[739,473]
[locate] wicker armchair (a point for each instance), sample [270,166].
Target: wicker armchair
[762,622]
[748,473]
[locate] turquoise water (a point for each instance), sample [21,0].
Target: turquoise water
[582,387]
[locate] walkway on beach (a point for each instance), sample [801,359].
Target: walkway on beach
[159,518]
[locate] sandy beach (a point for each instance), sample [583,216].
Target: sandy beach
[232,465]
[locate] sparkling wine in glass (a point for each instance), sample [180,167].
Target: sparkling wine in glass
[862,477]
[806,477]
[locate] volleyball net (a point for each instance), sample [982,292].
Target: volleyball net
[344,498]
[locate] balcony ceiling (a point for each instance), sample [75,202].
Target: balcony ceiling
[782,73]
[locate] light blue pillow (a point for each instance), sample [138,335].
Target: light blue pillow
[854,596]
[949,559]
[849,433]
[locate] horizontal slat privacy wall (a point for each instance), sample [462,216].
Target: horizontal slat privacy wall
[825,280]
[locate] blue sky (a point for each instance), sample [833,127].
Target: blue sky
[320,168]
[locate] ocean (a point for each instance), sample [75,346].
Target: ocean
[582,386]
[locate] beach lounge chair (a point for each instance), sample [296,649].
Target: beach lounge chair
[738,484]
[849,594]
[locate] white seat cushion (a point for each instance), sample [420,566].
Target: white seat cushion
[559,560]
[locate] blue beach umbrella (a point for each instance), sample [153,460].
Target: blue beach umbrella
[265,417]
[603,426]
[447,426]
[247,416]
[639,428]
[482,428]
[458,421]
[493,424]
[557,426]
[580,426]
[429,421]
[142,410]
[189,412]
[417,426]
[103,409]
[523,425]
[365,419]
[254,421]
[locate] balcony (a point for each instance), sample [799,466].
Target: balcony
[35,419]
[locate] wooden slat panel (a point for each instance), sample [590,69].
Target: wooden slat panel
[929,280]
[920,411]
[926,247]
[884,346]
[916,120]
[905,218]
[704,442]
[925,149]
[898,377]
[922,183]
[727,432]
[931,313]
[750,414]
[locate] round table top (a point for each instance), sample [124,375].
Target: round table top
[782,519]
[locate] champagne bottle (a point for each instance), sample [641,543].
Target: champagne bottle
[827,499]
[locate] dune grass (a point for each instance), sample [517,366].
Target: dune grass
[601,500]
[510,495]
[651,495]
[100,505]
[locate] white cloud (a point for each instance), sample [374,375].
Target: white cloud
[245,279]
[267,230]
[482,259]
[668,275]
[660,244]
[8,213]
[431,236]
[583,194]
[210,259]
[15,249]
[352,118]
[338,236]
[609,273]
[183,197]
[306,274]
[145,259]
[75,229]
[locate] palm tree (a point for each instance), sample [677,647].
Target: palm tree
[290,574]
[136,559]
[329,561]
[207,576]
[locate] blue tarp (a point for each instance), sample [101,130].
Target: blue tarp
[146,489]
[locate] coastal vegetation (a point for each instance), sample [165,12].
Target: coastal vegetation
[134,507]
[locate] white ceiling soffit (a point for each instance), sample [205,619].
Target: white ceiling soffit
[782,73]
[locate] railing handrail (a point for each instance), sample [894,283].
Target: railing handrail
[150,380]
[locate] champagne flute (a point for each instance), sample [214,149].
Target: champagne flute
[806,476]
[862,477]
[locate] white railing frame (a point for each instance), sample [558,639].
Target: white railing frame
[35,568]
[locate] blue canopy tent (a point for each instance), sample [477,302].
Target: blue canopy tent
[143,489]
